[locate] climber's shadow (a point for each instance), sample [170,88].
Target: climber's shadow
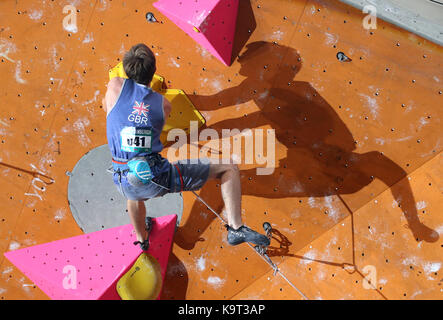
[320,160]
[284,244]
[176,280]
[350,267]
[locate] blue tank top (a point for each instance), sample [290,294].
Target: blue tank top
[135,123]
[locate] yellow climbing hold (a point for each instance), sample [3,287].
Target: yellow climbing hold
[183,112]
[143,281]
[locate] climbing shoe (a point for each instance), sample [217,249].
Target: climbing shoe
[245,234]
[145,244]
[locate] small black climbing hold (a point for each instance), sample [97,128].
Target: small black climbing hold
[150,17]
[267,226]
[342,57]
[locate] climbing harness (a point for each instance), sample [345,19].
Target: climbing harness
[138,169]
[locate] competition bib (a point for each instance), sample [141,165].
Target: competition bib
[136,139]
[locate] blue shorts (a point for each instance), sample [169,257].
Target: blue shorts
[184,175]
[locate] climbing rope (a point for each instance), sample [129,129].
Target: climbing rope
[263,256]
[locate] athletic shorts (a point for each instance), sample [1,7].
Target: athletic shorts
[184,175]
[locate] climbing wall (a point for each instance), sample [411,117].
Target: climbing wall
[354,197]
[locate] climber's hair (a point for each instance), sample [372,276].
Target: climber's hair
[139,64]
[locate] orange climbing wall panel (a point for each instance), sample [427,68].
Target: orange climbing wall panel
[357,184]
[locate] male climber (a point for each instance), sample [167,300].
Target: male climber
[135,118]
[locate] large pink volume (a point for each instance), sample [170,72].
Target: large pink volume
[211,23]
[87,267]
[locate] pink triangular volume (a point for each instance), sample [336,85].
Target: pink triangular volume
[211,23]
[88,266]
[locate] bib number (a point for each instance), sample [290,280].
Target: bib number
[136,140]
